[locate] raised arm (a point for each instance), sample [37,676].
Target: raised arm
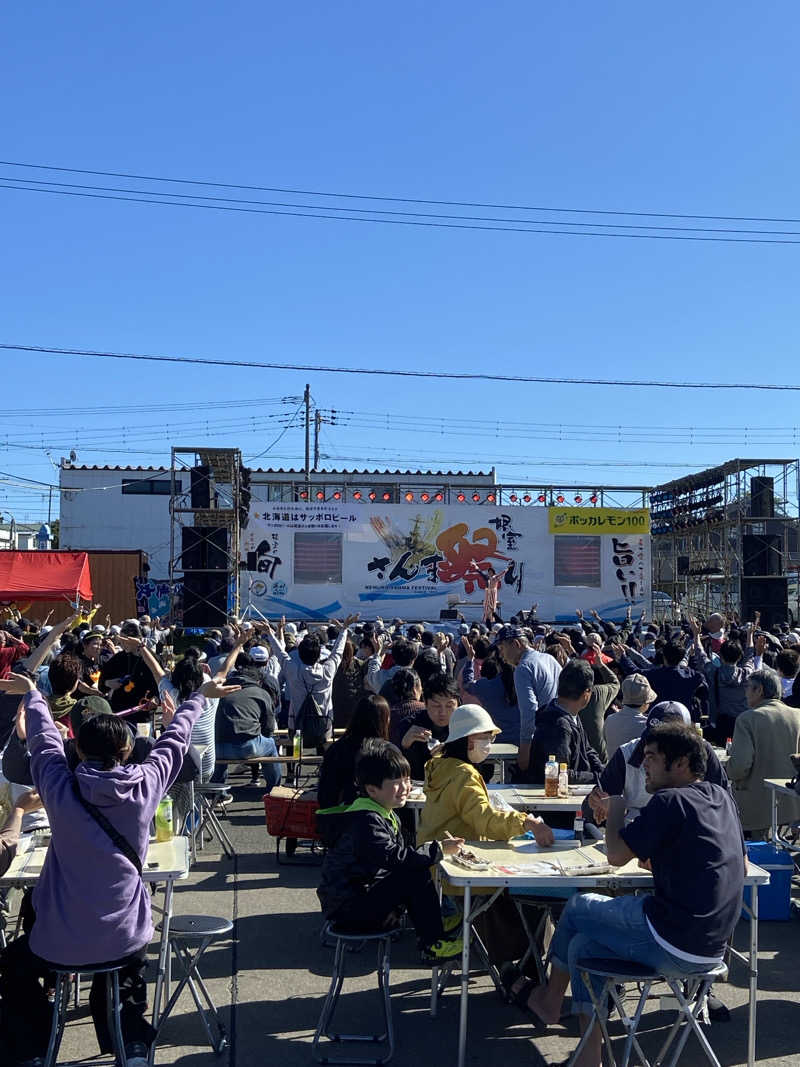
[150,660]
[233,655]
[276,643]
[36,658]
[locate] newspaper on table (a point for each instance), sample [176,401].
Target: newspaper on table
[554,866]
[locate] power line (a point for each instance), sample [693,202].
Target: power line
[386,211]
[385,372]
[427,224]
[280,435]
[139,409]
[393,199]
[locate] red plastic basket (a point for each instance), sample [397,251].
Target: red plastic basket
[291,817]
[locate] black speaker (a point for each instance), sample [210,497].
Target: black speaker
[762,498]
[216,547]
[201,487]
[205,598]
[761,555]
[193,554]
[770,596]
[448,613]
[204,548]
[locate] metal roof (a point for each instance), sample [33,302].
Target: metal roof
[301,473]
[712,475]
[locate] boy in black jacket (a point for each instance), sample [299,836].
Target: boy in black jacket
[559,731]
[370,873]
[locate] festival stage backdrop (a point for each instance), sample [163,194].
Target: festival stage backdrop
[315,560]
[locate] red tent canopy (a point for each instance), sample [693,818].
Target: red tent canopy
[44,576]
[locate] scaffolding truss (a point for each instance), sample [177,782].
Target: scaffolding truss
[699,524]
[224,475]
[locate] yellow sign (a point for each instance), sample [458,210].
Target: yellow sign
[599,520]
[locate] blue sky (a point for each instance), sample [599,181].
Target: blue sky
[690,109]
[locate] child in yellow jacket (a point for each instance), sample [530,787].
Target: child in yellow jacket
[456,798]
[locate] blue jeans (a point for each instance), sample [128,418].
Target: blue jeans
[593,926]
[256,746]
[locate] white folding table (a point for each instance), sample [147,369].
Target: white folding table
[166,862]
[630,877]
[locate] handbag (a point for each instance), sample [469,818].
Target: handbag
[125,847]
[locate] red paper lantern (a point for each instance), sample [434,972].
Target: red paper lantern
[560,498]
[578,499]
[387,496]
[409,497]
[425,497]
[541,498]
[337,495]
[476,497]
[461,498]
[513,498]
[372,494]
[439,496]
[357,494]
[320,495]
[593,499]
[303,494]
[491,498]
[527,498]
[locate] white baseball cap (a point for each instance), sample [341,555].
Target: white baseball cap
[470,719]
[290,628]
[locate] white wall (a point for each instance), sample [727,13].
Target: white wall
[99,517]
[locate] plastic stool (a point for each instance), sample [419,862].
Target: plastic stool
[206,793]
[189,937]
[342,938]
[63,982]
[690,991]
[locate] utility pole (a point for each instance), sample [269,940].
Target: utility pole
[307,401]
[317,426]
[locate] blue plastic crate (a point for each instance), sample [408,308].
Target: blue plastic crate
[775,898]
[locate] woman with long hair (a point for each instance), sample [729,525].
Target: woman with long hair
[348,686]
[337,775]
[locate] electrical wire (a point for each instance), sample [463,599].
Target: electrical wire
[387,372]
[280,435]
[37,184]
[392,199]
[136,409]
[427,224]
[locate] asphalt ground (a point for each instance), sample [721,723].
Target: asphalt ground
[270,980]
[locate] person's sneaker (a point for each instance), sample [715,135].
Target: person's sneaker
[137,1054]
[442,951]
[717,1011]
[224,799]
[452,923]
[259,783]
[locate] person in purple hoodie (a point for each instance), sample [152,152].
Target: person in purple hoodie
[90,902]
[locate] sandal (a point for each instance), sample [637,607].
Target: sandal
[520,999]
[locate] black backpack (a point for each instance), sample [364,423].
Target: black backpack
[311,722]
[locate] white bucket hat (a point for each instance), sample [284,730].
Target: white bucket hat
[470,719]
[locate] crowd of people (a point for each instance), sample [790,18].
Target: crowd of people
[110,717]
